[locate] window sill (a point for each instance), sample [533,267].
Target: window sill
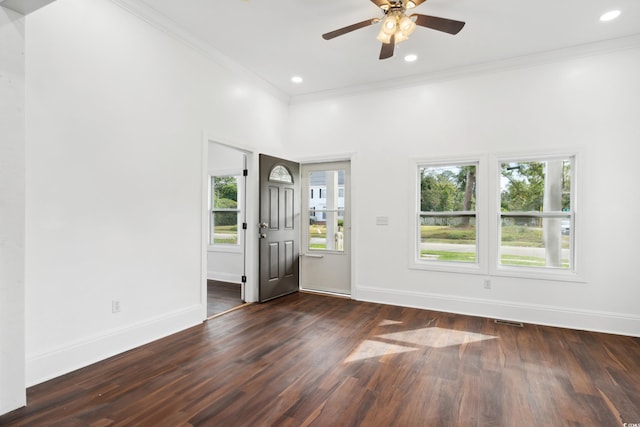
[535,274]
[517,272]
[447,267]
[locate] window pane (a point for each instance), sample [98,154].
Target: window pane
[451,237]
[523,186]
[448,188]
[280,174]
[448,238]
[225,192]
[535,242]
[225,228]
[326,211]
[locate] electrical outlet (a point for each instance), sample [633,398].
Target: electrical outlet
[115,306]
[487,284]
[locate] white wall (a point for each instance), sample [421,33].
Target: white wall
[12,210]
[116,113]
[225,263]
[589,103]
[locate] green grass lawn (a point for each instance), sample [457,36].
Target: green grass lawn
[226,234]
[449,256]
[471,257]
[515,235]
[316,230]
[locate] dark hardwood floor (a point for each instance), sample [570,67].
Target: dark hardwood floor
[312,360]
[222,296]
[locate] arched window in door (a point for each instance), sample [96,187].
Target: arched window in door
[280,174]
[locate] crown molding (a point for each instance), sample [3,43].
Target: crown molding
[552,56]
[173,29]
[24,7]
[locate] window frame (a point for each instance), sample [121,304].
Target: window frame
[225,247]
[416,262]
[488,216]
[572,274]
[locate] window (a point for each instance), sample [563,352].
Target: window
[509,216]
[326,220]
[225,211]
[447,220]
[280,173]
[536,213]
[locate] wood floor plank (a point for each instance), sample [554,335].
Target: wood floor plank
[313,360]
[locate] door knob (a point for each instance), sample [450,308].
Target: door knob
[263,225]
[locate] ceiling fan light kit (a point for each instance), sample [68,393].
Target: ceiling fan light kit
[397,26]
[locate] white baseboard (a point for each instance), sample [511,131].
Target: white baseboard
[224,277]
[596,321]
[62,360]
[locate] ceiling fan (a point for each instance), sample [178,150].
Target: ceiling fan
[397,26]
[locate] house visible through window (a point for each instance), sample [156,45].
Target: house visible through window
[225,210]
[447,220]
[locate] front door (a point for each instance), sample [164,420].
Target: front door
[279,229]
[326,235]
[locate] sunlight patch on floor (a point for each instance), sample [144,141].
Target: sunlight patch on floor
[369,348]
[412,340]
[435,337]
[389,322]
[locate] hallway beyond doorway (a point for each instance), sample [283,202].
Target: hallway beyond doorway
[222,296]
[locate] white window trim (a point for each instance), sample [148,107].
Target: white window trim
[478,267]
[495,269]
[488,216]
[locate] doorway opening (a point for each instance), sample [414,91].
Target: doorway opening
[226,230]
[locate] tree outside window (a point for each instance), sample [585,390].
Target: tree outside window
[225,212]
[447,218]
[536,213]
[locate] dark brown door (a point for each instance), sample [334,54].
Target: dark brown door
[279,227]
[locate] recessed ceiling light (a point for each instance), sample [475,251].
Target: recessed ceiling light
[411,58]
[296,79]
[609,16]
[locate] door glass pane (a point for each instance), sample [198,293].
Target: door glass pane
[326,210]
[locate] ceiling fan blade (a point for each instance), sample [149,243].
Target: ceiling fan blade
[441,24]
[416,3]
[381,3]
[348,29]
[387,48]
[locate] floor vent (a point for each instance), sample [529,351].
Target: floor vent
[509,323]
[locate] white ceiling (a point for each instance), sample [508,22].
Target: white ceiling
[277,39]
